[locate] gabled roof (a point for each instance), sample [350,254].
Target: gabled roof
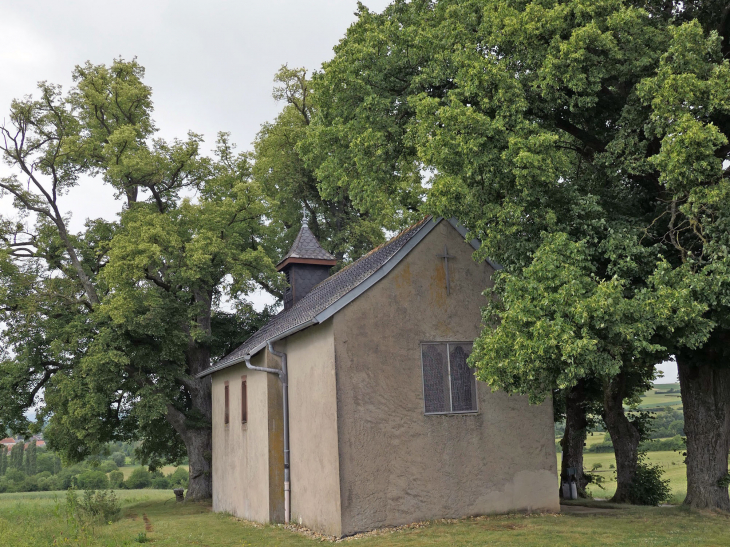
[335,292]
[306,248]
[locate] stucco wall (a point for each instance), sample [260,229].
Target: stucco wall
[243,482]
[398,465]
[315,484]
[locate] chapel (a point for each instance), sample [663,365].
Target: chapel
[354,408]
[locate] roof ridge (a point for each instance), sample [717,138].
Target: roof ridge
[324,296]
[373,250]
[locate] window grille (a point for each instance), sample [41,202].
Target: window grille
[449,385]
[226,399]
[244,402]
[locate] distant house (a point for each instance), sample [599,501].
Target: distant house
[8,442]
[387,424]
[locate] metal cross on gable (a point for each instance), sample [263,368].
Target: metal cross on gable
[446,257]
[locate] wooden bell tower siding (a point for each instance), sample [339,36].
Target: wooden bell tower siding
[306,265]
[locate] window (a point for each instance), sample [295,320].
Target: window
[449,385]
[244,401]
[227,411]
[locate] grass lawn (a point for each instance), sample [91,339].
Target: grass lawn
[36,519]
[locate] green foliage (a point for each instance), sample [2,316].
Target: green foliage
[648,486]
[582,142]
[140,478]
[108,466]
[111,325]
[179,478]
[160,482]
[16,455]
[668,423]
[116,479]
[3,459]
[676,443]
[48,462]
[579,325]
[31,458]
[119,459]
[94,507]
[92,480]
[291,187]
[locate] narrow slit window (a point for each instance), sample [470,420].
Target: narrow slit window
[244,402]
[227,410]
[449,385]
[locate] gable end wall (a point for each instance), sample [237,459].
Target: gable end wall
[397,465]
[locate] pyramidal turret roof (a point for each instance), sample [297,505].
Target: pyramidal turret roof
[306,249]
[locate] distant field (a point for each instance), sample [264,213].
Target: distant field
[166,470]
[672,462]
[653,399]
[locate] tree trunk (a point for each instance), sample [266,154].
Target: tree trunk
[573,441]
[199,444]
[196,433]
[624,435]
[706,402]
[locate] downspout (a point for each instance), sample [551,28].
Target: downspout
[283,377]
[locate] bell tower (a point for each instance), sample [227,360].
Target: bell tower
[306,264]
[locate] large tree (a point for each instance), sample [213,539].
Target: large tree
[603,124]
[106,329]
[293,190]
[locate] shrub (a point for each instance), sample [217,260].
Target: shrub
[119,459]
[161,483]
[108,466]
[648,487]
[116,479]
[46,483]
[100,506]
[30,484]
[64,480]
[179,478]
[15,475]
[92,480]
[140,478]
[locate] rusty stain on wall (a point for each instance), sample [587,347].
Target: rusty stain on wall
[437,286]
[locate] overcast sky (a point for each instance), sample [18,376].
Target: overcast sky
[210,64]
